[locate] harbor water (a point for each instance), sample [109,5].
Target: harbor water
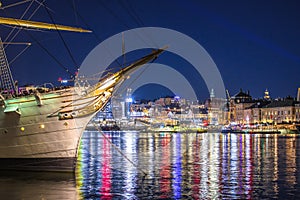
[133,165]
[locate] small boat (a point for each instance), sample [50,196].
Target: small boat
[249,131]
[231,131]
[178,129]
[259,131]
[232,128]
[236,128]
[109,125]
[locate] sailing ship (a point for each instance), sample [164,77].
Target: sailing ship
[42,130]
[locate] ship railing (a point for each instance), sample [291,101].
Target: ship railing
[2,101]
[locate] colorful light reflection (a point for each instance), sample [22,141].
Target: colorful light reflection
[200,166]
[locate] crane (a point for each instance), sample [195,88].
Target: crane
[228,106]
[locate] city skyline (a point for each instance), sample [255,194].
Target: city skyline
[137,96]
[254,45]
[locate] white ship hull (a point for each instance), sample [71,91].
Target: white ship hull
[31,139]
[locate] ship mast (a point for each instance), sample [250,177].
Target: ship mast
[40,25]
[7,81]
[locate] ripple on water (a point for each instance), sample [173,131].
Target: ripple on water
[190,166]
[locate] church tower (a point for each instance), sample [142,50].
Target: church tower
[212,93]
[267,95]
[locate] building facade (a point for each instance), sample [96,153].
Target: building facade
[243,109]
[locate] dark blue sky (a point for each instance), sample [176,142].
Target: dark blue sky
[255,44]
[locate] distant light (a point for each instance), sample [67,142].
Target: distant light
[247,119]
[129,100]
[42,126]
[62,80]
[22,129]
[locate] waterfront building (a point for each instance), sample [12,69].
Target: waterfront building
[200,111]
[240,108]
[297,111]
[164,101]
[238,103]
[277,111]
[216,109]
[281,111]
[253,113]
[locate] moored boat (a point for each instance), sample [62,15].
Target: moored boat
[236,128]
[249,131]
[177,129]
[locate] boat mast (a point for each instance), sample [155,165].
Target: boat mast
[7,82]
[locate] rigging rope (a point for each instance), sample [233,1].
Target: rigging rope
[75,11]
[139,75]
[51,55]
[14,36]
[14,4]
[64,42]
[93,32]
[135,18]
[24,13]
[113,145]
[20,28]
[13,60]
[132,13]
[135,13]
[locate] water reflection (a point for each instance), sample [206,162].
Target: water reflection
[180,166]
[170,166]
[37,185]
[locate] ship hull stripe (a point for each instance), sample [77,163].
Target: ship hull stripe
[39,164]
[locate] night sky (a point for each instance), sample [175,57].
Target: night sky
[255,44]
